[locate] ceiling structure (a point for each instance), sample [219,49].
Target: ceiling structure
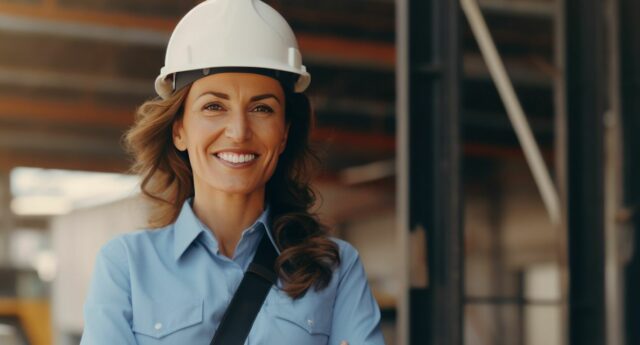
[72,73]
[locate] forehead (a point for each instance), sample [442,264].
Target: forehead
[236,84]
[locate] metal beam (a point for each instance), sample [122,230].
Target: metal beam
[403,319]
[514,109]
[81,112]
[430,72]
[521,71]
[59,142]
[369,141]
[613,184]
[124,28]
[57,27]
[527,8]
[87,17]
[70,161]
[628,13]
[377,109]
[587,92]
[75,82]
[7,221]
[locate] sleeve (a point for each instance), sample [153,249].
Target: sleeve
[356,314]
[107,308]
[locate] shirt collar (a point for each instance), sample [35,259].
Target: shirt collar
[187,227]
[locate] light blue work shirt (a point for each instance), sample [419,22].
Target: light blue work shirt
[172,286]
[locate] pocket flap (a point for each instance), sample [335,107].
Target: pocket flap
[315,319]
[160,318]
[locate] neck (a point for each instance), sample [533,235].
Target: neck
[227,215]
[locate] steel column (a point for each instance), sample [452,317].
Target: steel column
[431,73]
[629,12]
[586,106]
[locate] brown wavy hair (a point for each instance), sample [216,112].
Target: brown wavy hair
[308,256]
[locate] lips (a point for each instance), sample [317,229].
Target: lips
[237,157]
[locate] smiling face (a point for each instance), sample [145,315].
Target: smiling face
[234,130]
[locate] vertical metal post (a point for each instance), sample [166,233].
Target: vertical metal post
[586,105]
[628,12]
[561,154]
[612,183]
[429,68]
[402,170]
[6,216]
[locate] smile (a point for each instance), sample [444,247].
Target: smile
[235,159]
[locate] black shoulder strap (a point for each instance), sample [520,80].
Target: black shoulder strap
[247,300]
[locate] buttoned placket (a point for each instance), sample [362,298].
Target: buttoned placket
[242,255]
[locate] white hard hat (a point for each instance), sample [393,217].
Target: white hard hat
[228,34]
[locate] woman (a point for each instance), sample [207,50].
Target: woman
[224,156]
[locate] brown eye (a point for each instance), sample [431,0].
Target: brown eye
[263,109]
[213,107]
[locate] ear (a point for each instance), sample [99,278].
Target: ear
[179,139]
[283,144]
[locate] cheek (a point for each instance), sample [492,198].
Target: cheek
[274,134]
[202,132]
[275,148]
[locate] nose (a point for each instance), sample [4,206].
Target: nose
[238,128]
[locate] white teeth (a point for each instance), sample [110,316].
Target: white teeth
[236,158]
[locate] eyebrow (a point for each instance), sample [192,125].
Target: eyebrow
[253,99]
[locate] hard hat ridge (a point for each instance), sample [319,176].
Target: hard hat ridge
[231,33]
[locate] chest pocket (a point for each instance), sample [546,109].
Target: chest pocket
[304,321]
[161,318]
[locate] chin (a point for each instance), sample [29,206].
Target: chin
[235,188]
[242,191]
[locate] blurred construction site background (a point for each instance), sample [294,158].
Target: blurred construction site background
[481,155]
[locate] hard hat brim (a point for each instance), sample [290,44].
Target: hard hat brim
[165,84]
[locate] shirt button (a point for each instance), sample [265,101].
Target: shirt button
[157,326]
[310,323]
